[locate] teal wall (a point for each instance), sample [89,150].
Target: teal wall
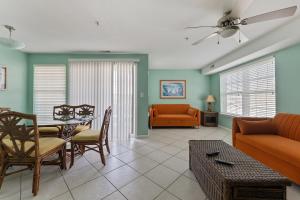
[287,70]
[197,86]
[15,96]
[142,78]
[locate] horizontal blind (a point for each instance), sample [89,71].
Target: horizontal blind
[49,89]
[249,90]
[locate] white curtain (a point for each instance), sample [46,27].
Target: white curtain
[105,83]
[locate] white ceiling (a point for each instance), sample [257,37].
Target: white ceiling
[155,27]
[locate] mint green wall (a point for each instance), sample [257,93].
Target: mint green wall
[142,78]
[287,63]
[197,86]
[15,96]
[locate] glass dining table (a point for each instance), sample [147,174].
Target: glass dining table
[66,126]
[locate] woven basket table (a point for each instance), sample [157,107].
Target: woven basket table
[247,179]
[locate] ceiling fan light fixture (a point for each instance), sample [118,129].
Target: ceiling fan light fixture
[9,42]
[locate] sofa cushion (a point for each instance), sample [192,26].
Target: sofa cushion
[280,147]
[171,108]
[288,125]
[257,127]
[177,117]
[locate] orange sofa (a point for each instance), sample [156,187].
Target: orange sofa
[173,115]
[279,151]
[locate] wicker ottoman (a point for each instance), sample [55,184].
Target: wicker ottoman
[247,179]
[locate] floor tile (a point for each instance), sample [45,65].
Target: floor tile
[80,176]
[48,189]
[184,155]
[156,144]
[115,196]
[141,189]
[293,192]
[144,150]
[11,188]
[65,196]
[166,196]
[159,156]
[170,149]
[180,144]
[143,164]
[79,162]
[176,164]
[122,176]
[115,150]
[188,173]
[128,156]
[162,176]
[187,189]
[112,163]
[95,189]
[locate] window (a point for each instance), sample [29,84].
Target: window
[49,89]
[249,90]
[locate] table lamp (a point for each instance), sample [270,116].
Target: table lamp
[210,100]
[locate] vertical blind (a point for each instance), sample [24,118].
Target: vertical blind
[249,90]
[49,89]
[105,83]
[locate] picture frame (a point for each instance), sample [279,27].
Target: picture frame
[172,89]
[3,78]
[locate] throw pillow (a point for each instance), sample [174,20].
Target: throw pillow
[257,127]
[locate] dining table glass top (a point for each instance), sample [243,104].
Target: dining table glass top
[43,121]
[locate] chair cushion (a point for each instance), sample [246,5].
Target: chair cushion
[49,129]
[257,127]
[46,144]
[175,117]
[80,128]
[88,135]
[278,146]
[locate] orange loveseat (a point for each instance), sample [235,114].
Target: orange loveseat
[279,151]
[174,115]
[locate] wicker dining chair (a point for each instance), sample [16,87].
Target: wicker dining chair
[82,111]
[20,145]
[61,112]
[93,137]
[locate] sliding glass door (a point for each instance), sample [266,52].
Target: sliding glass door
[106,83]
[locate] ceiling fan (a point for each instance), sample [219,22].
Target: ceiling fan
[230,23]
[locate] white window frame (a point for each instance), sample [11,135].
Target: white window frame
[245,105]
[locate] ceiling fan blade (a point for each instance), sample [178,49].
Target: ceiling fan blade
[240,37]
[285,12]
[195,27]
[202,39]
[240,7]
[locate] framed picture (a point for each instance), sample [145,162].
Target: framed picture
[172,89]
[3,76]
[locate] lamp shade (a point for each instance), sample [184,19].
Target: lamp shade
[210,99]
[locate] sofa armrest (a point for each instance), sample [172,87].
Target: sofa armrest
[236,129]
[198,117]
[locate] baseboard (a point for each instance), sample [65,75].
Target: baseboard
[223,127]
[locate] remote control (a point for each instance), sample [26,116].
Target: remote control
[214,153]
[224,162]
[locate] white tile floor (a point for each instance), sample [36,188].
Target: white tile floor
[155,167]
